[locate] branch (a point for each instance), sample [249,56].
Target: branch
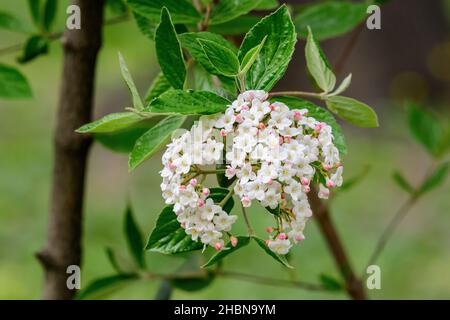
[346,52]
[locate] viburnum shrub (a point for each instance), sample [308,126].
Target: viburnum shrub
[213,108]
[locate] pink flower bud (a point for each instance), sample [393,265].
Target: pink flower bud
[230,172]
[280,140]
[182,187]
[287,139]
[245,107]
[171,166]
[183,225]
[269,229]
[261,125]
[305,181]
[297,115]
[246,202]
[338,164]
[205,192]
[330,183]
[193,182]
[201,203]
[318,127]
[223,133]
[218,246]
[327,167]
[270,182]
[283,195]
[282,236]
[267,242]
[272,107]
[234,241]
[299,237]
[306,189]
[238,118]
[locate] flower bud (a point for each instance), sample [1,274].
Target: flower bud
[269,229]
[297,115]
[182,187]
[223,133]
[246,202]
[299,237]
[330,183]
[287,139]
[234,241]
[261,125]
[239,118]
[305,181]
[201,203]
[282,236]
[205,192]
[218,246]
[193,182]
[306,189]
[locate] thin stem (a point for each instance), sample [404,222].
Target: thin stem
[228,196]
[297,94]
[211,171]
[247,221]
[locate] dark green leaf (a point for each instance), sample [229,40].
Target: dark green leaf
[182,11]
[134,238]
[11,23]
[330,19]
[117,6]
[158,87]
[168,51]
[112,258]
[168,237]
[35,10]
[436,178]
[276,53]
[426,128]
[235,27]
[251,57]
[318,65]
[242,242]
[330,283]
[104,286]
[50,9]
[275,212]
[320,114]
[153,140]
[223,59]
[13,84]
[146,25]
[137,102]
[122,141]
[402,182]
[35,46]
[228,10]
[267,5]
[188,103]
[353,111]
[277,257]
[111,123]
[218,194]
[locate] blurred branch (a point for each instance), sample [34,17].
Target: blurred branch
[346,52]
[164,291]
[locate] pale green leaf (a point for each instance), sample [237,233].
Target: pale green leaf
[134,238]
[182,11]
[436,178]
[11,23]
[101,287]
[137,102]
[353,111]
[401,181]
[13,84]
[223,59]
[158,87]
[111,122]
[343,86]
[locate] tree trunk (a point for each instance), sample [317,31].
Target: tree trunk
[63,246]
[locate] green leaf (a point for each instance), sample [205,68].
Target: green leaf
[435,179]
[35,46]
[242,242]
[113,260]
[146,26]
[343,86]
[182,11]
[426,128]
[13,84]
[200,279]
[105,285]
[223,59]
[276,53]
[353,111]
[111,123]
[188,103]
[35,10]
[134,238]
[330,283]
[222,180]
[168,51]
[50,9]
[117,6]
[218,194]
[402,182]
[11,23]
[158,87]
[121,141]
[137,102]
[320,114]
[330,19]
[318,64]
[168,237]
[275,212]
[153,140]
[236,26]
[250,57]
[277,257]
[267,5]
[190,42]
[228,10]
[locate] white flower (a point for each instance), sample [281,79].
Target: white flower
[294,189]
[324,192]
[223,221]
[280,246]
[245,174]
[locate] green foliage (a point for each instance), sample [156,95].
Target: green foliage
[401,181]
[330,283]
[199,280]
[182,11]
[158,87]
[242,242]
[104,286]
[134,238]
[281,259]
[35,10]
[111,123]
[168,51]
[236,26]
[435,179]
[227,10]
[117,6]
[153,140]
[137,102]
[223,59]
[49,14]
[250,57]
[343,86]
[188,103]
[276,53]
[120,141]
[13,84]
[318,65]
[330,19]
[11,23]
[353,111]
[35,46]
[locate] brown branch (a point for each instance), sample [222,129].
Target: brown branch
[63,246]
[353,284]
[346,52]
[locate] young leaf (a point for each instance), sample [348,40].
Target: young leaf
[168,51]
[426,128]
[113,259]
[11,23]
[35,10]
[35,46]
[104,286]
[111,123]
[250,57]
[353,111]
[235,27]
[402,182]
[276,53]
[277,257]
[158,87]
[137,102]
[267,5]
[168,237]
[146,25]
[330,283]
[318,64]
[228,10]
[330,19]
[182,11]
[153,140]
[242,242]
[320,114]
[223,59]
[13,84]
[435,179]
[134,238]
[343,86]
[50,9]
[188,103]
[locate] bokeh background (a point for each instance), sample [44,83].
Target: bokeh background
[409,58]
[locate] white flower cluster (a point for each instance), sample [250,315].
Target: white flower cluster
[272,153]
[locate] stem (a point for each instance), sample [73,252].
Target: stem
[297,94]
[228,196]
[247,222]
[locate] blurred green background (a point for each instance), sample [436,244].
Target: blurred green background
[416,263]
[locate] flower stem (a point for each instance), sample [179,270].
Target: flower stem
[247,222]
[228,196]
